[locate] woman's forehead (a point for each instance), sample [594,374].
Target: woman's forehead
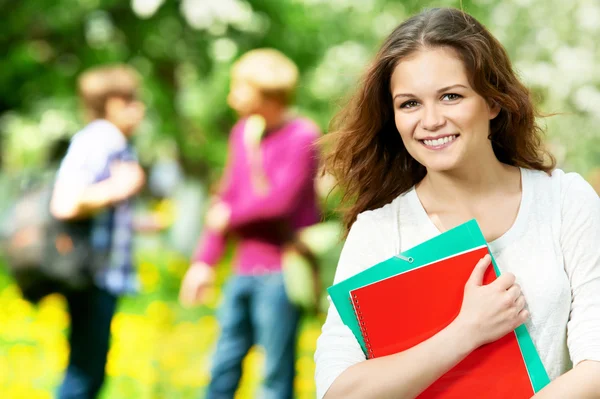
[428,70]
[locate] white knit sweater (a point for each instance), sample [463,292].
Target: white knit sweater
[553,248]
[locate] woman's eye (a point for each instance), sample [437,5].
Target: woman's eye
[409,104]
[451,96]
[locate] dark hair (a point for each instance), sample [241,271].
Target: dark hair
[366,154]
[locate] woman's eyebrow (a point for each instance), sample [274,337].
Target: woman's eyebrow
[443,89]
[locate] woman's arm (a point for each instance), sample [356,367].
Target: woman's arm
[583,382]
[405,374]
[579,240]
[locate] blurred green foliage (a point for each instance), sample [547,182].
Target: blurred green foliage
[184,50]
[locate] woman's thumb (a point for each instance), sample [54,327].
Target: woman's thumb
[479,271]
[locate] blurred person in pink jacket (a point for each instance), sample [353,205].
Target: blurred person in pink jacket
[267,194]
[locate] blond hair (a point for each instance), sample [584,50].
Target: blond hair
[270,71]
[97,85]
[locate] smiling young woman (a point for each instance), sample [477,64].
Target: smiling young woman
[441,131]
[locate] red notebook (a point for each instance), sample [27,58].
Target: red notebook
[401,311]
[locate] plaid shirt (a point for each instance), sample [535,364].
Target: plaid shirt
[88,160]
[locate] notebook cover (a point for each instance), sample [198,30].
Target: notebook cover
[402,311]
[460,239]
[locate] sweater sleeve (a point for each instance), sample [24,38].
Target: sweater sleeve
[89,153]
[580,238]
[290,179]
[337,348]
[211,245]
[210,248]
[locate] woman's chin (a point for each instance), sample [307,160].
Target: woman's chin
[438,161]
[441,165]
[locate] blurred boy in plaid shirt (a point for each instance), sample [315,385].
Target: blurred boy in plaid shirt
[97,178]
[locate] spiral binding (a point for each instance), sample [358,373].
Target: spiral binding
[363,329]
[361,324]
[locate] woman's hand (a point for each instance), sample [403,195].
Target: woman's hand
[490,311]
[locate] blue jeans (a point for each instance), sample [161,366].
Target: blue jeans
[91,313]
[255,309]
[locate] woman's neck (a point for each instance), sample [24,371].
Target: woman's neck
[469,182]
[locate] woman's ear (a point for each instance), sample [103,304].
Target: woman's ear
[494,108]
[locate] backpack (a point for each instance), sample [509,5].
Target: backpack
[45,255]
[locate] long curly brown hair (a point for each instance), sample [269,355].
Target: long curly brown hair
[364,151]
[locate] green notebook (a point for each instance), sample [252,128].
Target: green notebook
[463,238]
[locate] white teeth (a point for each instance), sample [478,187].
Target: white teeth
[440,141]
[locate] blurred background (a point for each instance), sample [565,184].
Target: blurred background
[184,50]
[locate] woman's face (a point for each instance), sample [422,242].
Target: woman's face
[443,122]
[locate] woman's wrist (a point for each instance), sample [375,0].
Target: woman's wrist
[461,337]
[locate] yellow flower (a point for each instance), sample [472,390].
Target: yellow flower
[24,363]
[149,276]
[52,315]
[305,366]
[54,300]
[308,338]
[253,366]
[177,265]
[190,377]
[143,371]
[24,391]
[170,360]
[10,293]
[4,370]
[160,313]
[166,212]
